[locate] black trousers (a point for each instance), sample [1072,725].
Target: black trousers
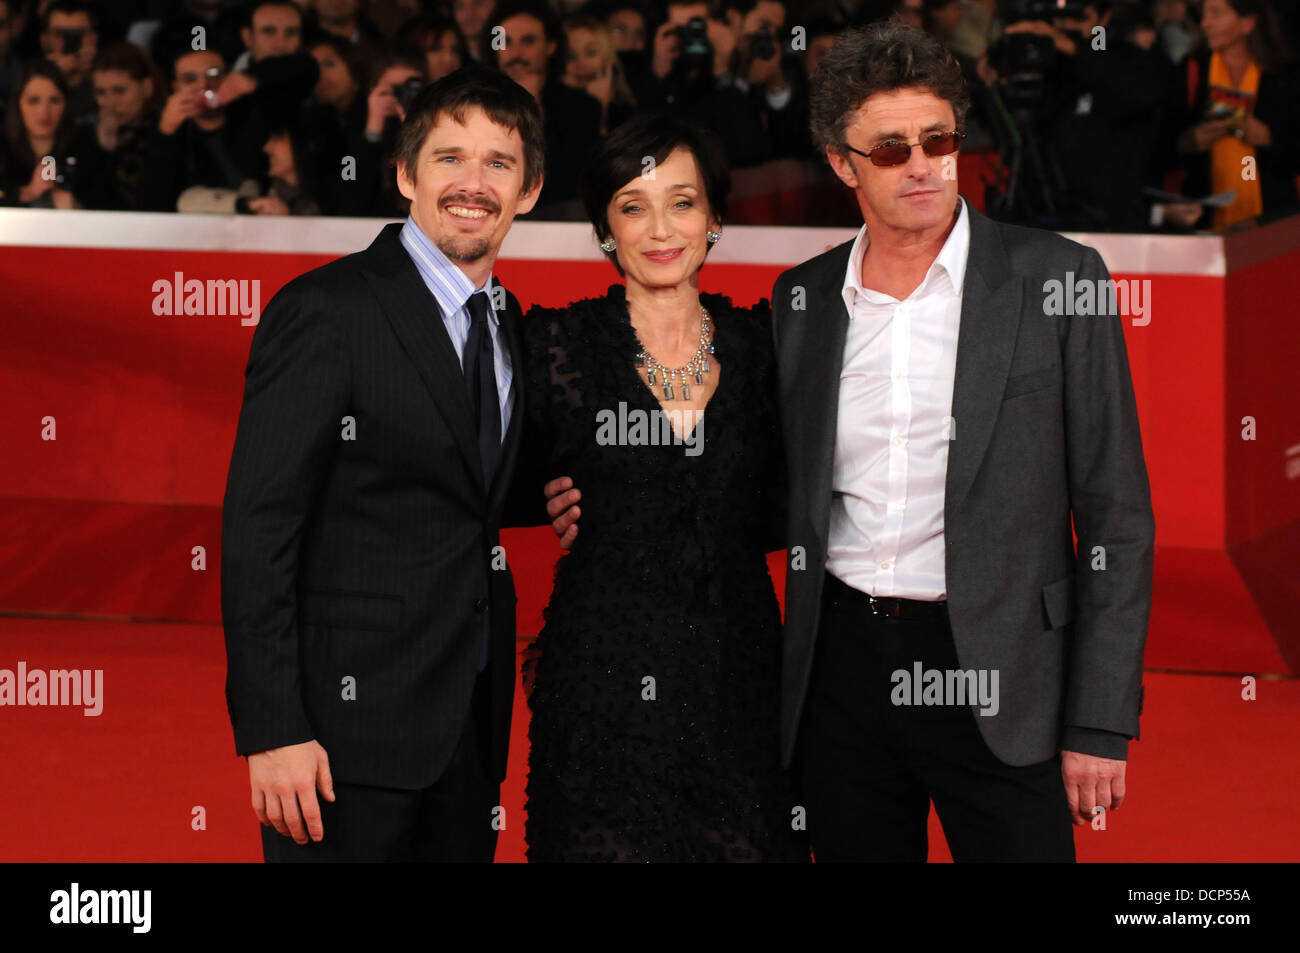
[449,821]
[869,768]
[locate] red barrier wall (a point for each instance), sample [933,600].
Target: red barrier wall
[103,520]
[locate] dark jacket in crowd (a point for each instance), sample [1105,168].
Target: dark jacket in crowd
[111,180]
[571,125]
[1106,140]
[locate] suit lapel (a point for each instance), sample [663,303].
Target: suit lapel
[509,321]
[990,319]
[416,319]
[815,357]
[992,296]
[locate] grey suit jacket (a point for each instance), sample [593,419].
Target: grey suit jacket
[1045,429]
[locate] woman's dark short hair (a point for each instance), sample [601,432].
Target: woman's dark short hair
[621,158]
[880,58]
[506,103]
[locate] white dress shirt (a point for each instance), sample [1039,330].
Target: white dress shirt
[891,439]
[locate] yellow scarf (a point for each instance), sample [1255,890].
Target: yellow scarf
[1227,154]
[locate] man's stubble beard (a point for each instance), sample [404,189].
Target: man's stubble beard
[465,249]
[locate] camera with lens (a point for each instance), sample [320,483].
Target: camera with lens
[1026,61]
[72,40]
[208,95]
[407,91]
[696,50]
[762,45]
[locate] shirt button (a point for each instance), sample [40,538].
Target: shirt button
[898,441]
[884,565]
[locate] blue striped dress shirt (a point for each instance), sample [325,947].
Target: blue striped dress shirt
[451,289]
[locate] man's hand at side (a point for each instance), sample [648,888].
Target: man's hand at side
[285,780]
[561,498]
[1091,781]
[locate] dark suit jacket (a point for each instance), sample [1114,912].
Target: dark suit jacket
[366,557]
[1045,427]
[571,121]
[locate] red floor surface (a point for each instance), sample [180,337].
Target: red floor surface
[1213,778]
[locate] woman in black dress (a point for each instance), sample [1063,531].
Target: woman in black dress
[655,683]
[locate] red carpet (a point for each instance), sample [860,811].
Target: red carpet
[1213,778]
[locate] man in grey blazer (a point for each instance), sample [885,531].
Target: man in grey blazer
[943,424]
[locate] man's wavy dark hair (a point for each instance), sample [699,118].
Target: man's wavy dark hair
[506,103]
[879,58]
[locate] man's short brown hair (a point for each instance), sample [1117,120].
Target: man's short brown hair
[879,58]
[503,100]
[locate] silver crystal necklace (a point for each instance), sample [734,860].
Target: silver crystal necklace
[692,370]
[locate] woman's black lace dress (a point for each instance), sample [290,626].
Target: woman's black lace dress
[655,683]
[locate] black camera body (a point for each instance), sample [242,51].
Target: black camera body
[407,91]
[72,40]
[1026,61]
[762,45]
[696,49]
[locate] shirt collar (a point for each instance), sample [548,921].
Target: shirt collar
[951,262]
[450,286]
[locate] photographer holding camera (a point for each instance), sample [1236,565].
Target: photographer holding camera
[1108,89]
[213,128]
[691,75]
[69,40]
[372,189]
[776,89]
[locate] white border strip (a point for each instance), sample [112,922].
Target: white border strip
[544,241]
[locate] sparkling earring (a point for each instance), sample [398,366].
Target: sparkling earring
[713,237]
[608,245]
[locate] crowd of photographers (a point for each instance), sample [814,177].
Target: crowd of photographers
[1103,114]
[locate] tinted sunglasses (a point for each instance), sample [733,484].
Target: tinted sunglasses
[896,153]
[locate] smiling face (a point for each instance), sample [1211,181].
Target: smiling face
[467,187]
[916,195]
[660,224]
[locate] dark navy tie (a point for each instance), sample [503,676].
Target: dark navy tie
[481,379]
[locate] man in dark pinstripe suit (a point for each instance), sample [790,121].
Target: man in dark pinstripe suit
[368,608]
